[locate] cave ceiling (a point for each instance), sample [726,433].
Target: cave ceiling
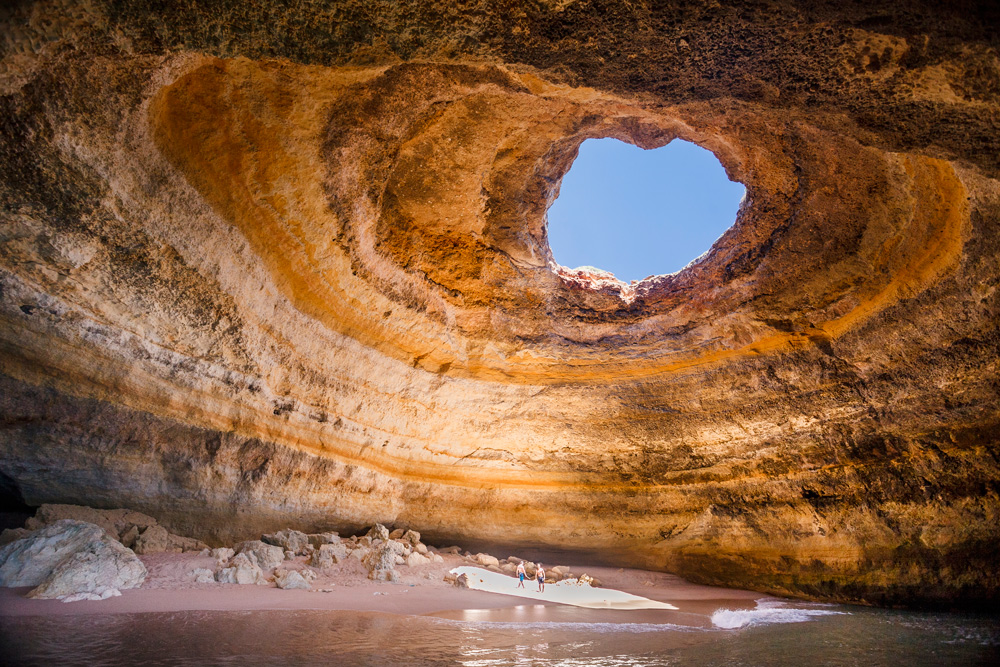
[268,265]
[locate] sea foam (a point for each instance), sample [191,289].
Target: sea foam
[767,612]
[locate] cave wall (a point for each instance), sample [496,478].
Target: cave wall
[266,266]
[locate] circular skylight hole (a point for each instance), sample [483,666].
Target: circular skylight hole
[638,213]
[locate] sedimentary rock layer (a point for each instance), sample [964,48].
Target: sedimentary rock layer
[262,270]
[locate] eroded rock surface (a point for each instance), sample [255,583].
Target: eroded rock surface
[298,275]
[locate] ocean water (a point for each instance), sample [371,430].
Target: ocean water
[776,632]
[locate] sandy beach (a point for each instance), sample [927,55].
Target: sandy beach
[420,590]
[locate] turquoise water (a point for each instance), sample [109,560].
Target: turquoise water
[775,633]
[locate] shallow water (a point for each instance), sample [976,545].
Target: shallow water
[775,633]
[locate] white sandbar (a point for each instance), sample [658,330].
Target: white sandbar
[563,593]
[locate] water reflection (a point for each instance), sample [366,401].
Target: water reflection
[862,637]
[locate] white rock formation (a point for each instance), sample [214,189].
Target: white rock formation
[328,555]
[70,560]
[290,579]
[289,540]
[264,556]
[381,560]
[241,571]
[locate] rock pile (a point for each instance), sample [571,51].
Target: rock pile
[135,530]
[378,549]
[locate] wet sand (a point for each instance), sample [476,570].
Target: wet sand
[421,590]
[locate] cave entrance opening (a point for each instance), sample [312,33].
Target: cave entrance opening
[639,213]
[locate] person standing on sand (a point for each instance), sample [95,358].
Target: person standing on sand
[520,575]
[540,574]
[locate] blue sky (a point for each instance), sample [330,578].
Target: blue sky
[638,213]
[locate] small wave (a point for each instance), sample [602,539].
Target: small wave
[768,612]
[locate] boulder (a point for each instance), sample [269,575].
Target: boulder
[203,575]
[396,534]
[420,548]
[180,543]
[290,579]
[412,536]
[264,556]
[114,522]
[360,553]
[153,539]
[129,537]
[328,555]
[378,532]
[222,554]
[242,570]
[486,560]
[436,558]
[319,539]
[70,558]
[415,559]
[450,577]
[288,540]
[561,570]
[381,560]
[157,539]
[462,581]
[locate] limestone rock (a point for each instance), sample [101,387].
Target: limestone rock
[114,522]
[396,534]
[70,558]
[129,537]
[412,536]
[462,581]
[415,559]
[290,579]
[265,556]
[289,540]
[319,539]
[222,554]
[153,539]
[203,575]
[378,532]
[381,560]
[328,555]
[29,560]
[487,560]
[241,570]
